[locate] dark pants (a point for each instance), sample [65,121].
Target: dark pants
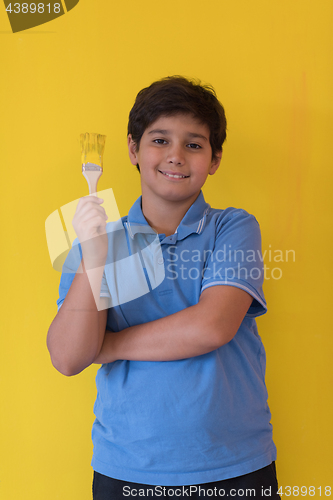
[259,484]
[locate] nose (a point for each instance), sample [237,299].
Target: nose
[175,155]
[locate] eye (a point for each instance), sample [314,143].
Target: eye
[159,141]
[194,146]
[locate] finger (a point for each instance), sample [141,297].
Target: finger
[84,224]
[94,199]
[89,208]
[88,200]
[94,212]
[92,226]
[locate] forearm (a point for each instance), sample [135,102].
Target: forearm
[76,334]
[181,335]
[196,330]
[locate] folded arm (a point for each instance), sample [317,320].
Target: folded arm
[196,330]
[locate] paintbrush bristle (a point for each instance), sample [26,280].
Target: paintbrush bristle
[92,149]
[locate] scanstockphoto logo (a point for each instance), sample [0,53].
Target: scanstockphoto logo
[26,15]
[135,263]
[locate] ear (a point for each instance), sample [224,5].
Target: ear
[216,163]
[132,150]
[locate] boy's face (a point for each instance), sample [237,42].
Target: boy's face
[175,158]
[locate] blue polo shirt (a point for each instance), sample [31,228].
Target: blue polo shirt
[195,420]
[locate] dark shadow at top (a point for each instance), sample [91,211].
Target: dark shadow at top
[70,4]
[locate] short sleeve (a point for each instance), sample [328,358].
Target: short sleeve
[69,270]
[236,259]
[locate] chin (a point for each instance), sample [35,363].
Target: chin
[174,196]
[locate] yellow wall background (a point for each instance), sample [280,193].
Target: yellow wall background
[271,65]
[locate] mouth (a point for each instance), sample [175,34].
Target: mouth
[173,175]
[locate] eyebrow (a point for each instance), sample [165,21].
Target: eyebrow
[192,135]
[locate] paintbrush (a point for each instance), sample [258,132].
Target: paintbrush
[92,149]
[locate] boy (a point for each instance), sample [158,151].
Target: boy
[182,406]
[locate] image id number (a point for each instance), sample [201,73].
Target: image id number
[303,491]
[32,8]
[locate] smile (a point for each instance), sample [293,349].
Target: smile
[174,176]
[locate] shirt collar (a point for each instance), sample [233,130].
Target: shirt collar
[136,222]
[193,221]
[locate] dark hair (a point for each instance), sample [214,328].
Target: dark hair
[173,95]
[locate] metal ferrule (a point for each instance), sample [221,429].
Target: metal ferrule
[91,167]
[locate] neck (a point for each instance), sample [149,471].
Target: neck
[165,216]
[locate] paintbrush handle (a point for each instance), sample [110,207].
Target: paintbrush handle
[92,179]
[92,173]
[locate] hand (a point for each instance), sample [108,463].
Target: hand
[89,223]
